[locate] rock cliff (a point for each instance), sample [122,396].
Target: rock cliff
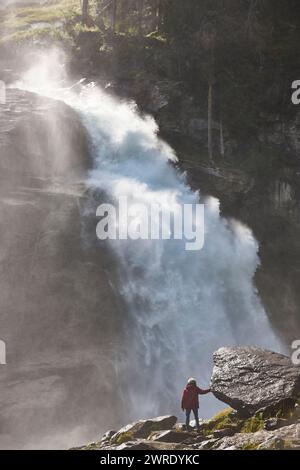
[59,312]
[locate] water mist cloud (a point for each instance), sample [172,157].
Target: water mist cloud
[180,306]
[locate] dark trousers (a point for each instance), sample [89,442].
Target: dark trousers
[188,414]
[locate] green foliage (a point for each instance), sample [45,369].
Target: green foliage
[40,21]
[288,411]
[25,16]
[253,424]
[82,28]
[92,446]
[228,418]
[157,36]
[49,35]
[122,438]
[250,446]
[248,50]
[221,420]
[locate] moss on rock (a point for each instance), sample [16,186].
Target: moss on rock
[225,419]
[253,424]
[122,438]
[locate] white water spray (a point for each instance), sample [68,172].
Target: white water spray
[181,305]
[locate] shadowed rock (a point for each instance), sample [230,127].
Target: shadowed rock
[59,312]
[251,379]
[172,436]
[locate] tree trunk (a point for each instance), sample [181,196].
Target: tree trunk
[222,148]
[159,15]
[141,11]
[209,125]
[85,11]
[123,12]
[113,15]
[156,13]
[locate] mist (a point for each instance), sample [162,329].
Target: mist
[59,310]
[5,3]
[157,283]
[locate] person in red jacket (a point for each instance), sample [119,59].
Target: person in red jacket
[190,401]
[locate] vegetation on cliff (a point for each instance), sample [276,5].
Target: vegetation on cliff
[236,59]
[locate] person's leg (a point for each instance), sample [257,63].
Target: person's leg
[196,419]
[187,420]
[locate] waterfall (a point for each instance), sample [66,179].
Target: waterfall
[181,305]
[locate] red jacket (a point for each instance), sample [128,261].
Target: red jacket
[190,399]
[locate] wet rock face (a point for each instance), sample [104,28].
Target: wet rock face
[41,138]
[280,133]
[59,313]
[267,201]
[251,379]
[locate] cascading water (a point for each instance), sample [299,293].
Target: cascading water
[182,305]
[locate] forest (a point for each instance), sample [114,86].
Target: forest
[235,59]
[238,56]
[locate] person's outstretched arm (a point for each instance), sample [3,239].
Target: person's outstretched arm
[203,391]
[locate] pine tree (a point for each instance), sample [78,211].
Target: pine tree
[140,16]
[113,15]
[85,11]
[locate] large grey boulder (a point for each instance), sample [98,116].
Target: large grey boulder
[143,428]
[251,379]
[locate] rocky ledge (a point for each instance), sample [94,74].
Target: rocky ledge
[263,390]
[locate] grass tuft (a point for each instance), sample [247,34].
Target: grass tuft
[124,437]
[27,22]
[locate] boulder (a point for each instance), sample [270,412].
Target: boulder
[275,423]
[142,429]
[285,438]
[219,433]
[107,436]
[207,444]
[250,379]
[140,444]
[202,423]
[172,436]
[143,444]
[179,427]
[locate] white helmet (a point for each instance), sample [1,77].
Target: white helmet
[192,381]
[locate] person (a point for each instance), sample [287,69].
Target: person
[190,401]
